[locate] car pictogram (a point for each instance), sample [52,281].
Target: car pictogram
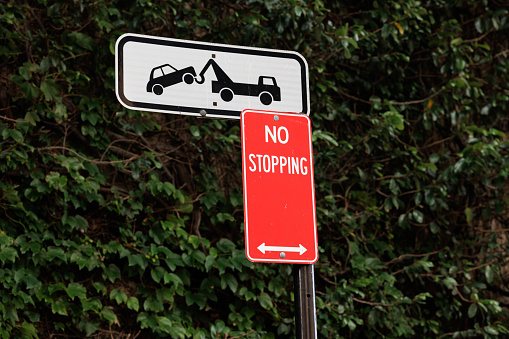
[167,75]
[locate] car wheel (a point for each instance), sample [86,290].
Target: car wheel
[188,78]
[226,94]
[157,89]
[266,98]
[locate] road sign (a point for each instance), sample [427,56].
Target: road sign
[197,78]
[279,201]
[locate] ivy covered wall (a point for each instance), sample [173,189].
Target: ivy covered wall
[124,224]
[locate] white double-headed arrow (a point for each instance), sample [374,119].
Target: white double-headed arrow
[301,249]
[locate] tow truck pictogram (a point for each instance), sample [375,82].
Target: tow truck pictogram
[266,89]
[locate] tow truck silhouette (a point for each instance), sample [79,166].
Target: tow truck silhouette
[266,89]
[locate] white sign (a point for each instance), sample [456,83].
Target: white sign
[196,78]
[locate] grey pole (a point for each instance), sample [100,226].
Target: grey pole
[305,310]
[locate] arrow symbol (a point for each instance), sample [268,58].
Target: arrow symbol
[301,249]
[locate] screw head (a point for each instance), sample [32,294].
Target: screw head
[282,255]
[276,118]
[203,112]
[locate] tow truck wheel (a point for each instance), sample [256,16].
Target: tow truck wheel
[157,89]
[266,98]
[188,78]
[226,94]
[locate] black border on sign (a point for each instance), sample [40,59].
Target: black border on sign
[122,40]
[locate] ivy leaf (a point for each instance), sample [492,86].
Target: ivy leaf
[89,327]
[157,274]
[76,290]
[418,216]
[32,117]
[225,245]
[229,280]
[491,330]
[8,254]
[82,40]
[265,300]
[172,277]
[489,273]
[12,133]
[50,89]
[472,310]
[119,296]
[195,298]
[112,272]
[195,131]
[209,262]
[56,252]
[30,91]
[45,65]
[164,324]
[152,304]
[138,260]
[59,307]
[108,314]
[450,282]
[133,303]
[177,331]
[28,330]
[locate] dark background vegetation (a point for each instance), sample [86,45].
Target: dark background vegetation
[125,224]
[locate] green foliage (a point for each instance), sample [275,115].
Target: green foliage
[119,223]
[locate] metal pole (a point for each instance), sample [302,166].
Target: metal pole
[305,310]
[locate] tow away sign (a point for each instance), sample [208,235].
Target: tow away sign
[197,78]
[279,200]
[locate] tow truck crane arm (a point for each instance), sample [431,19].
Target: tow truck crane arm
[220,74]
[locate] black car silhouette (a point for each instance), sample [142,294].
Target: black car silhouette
[167,75]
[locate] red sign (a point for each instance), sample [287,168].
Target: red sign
[279,198]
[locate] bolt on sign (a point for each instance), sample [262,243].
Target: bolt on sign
[279,198]
[205,79]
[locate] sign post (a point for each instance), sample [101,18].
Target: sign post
[305,309]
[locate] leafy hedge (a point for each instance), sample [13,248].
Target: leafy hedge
[117,223]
